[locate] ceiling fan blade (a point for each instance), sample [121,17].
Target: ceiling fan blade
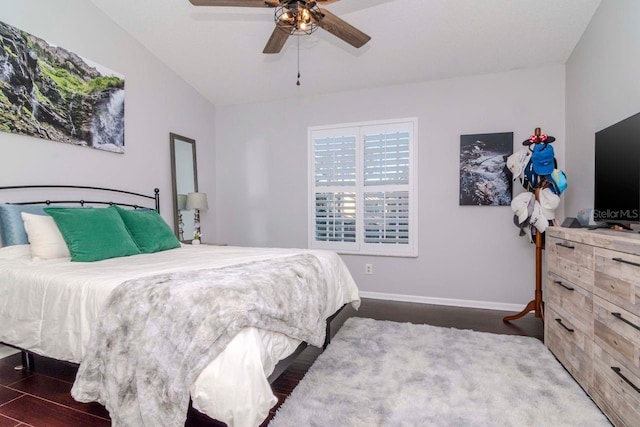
[236,3]
[341,29]
[323,2]
[276,41]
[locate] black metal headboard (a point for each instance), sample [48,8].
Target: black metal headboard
[82,202]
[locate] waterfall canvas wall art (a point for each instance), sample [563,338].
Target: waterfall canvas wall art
[51,93]
[484,178]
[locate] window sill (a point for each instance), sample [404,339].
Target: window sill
[380,254]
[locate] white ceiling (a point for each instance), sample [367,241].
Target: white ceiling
[218,50]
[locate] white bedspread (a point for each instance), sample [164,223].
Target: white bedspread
[49,307]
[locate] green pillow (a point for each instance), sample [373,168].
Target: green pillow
[93,234]
[150,232]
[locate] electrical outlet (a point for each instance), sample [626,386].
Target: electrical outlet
[368,269]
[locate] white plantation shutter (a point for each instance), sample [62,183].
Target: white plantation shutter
[386,158]
[386,217]
[335,160]
[362,185]
[336,217]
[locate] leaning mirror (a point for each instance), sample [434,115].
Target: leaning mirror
[184,174]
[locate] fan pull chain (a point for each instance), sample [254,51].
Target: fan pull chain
[298,40]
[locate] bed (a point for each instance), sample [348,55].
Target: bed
[51,307]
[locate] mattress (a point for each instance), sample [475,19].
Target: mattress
[49,307]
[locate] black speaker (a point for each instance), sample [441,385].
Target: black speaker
[571,222]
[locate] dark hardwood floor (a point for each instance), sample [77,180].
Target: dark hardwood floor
[41,397]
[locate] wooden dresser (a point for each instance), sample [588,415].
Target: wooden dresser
[592,315]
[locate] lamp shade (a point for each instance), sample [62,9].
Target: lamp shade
[182,202]
[197,201]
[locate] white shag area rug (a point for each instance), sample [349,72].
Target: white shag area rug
[381,373]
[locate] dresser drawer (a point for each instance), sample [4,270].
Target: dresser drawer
[617,278]
[617,332]
[570,344]
[570,301]
[614,389]
[571,261]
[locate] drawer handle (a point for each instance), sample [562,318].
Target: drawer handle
[626,262]
[564,326]
[625,379]
[565,245]
[619,317]
[559,282]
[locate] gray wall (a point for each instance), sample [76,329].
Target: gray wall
[157,102]
[603,87]
[467,255]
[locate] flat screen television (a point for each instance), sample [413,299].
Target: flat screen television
[617,173]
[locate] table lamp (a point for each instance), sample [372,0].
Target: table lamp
[196,202]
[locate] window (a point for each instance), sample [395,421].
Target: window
[363,188]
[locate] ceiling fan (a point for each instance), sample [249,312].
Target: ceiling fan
[297,17]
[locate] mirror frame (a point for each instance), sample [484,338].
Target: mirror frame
[173,138]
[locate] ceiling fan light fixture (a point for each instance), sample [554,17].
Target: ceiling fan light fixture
[296,17]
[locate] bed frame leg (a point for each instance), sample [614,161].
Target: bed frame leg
[327,338]
[27,362]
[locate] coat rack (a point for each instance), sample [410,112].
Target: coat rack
[536,305]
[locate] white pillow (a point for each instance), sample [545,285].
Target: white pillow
[15,252]
[44,237]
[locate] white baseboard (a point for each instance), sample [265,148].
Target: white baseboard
[488,305]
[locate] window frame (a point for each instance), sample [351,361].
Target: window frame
[359,247]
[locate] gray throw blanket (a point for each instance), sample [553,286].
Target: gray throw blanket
[156,334]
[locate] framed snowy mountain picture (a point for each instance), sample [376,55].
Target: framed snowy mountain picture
[51,93]
[484,178]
